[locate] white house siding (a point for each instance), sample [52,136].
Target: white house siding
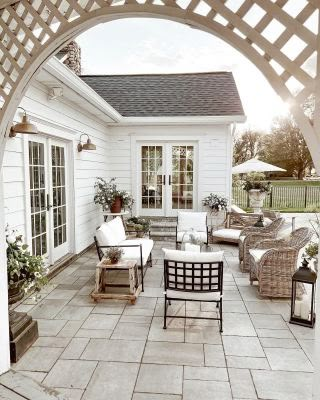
[214,154]
[59,119]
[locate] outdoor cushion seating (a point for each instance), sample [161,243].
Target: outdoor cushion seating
[191,221]
[112,233]
[273,262]
[252,235]
[191,276]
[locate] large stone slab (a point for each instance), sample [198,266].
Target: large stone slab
[114,350]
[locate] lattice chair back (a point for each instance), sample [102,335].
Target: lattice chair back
[196,277]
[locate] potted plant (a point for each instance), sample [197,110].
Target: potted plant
[139,225]
[215,202]
[110,197]
[114,254]
[25,271]
[258,188]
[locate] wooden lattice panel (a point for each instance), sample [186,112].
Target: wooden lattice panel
[278,36]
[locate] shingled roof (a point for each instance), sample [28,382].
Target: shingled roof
[165,95]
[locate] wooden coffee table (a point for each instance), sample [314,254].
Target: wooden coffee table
[102,269]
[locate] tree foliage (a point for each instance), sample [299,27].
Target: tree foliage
[246,146]
[286,147]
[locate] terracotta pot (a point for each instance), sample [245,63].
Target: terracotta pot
[116,206]
[15,291]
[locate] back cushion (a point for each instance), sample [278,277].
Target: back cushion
[105,236]
[192,220]
[117,229]
[192,257]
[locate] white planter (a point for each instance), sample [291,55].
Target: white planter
[256,200]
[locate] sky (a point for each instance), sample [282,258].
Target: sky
[140,45]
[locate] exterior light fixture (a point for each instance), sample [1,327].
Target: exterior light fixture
[86,146]
[24,127]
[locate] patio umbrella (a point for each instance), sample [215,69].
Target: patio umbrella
[255,165]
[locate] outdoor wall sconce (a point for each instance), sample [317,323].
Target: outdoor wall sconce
[24,127]
[86,146]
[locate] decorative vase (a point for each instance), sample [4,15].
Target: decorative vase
[256,200]
[15,291]
[116,206]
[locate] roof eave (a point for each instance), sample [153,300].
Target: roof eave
[182,120]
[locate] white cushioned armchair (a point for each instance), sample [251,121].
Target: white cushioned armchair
[187,221]
[111,234]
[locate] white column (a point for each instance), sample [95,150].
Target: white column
[316,380]
[4,317]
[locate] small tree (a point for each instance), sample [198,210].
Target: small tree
[247,145]
[286,147]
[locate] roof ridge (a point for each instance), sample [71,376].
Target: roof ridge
[162,74]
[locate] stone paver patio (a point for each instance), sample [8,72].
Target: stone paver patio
[114,350]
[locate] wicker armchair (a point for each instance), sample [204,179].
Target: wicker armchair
[250,236]
[273,262]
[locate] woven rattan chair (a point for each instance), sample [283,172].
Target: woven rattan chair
[273,262]
[250,236]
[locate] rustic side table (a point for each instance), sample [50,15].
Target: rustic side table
[102,269]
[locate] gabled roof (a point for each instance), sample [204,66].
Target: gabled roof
[169,95]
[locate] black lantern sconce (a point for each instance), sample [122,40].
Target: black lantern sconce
[303,310]
[86,146]
[24,127]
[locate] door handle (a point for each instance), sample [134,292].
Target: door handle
[164,180]
[48,203]
[169,180]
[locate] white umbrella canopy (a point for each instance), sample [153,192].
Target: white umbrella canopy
[255,165]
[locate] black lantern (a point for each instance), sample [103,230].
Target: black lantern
[303,307]
[259,223]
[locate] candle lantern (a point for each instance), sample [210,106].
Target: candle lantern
[303,306]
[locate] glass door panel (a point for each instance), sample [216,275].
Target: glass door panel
[182,194]
[151,178]
[38,191]
[59,207]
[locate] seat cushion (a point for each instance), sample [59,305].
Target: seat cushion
[257,254]
[185,237]
[192,257]
[227,233]
[192,220]
[178,294]
[133,253]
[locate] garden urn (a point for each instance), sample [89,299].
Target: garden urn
[257,197]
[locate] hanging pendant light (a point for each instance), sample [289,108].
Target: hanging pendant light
[24,127]
[86,146]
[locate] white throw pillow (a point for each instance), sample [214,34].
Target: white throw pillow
[105,236]
[117,229]
[192,257]
[192,220]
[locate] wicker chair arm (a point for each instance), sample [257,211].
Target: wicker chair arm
[253,238]
[279,255]
[271,243]
[250,229]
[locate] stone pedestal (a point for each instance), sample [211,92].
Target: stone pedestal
[23,333]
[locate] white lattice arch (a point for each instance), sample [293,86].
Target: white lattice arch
[31,32]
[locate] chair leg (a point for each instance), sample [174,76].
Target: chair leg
[169,302]
[150,260]
[220,312]
[165,313]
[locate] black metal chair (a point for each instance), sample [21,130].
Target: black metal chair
[193,281]
[203,231]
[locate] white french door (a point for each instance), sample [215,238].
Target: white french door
[49,197]
[166,178]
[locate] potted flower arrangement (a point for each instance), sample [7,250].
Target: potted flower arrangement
[215,202]
[114,254]
[25,271]
[139,225]
[258,188]
[110,197]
